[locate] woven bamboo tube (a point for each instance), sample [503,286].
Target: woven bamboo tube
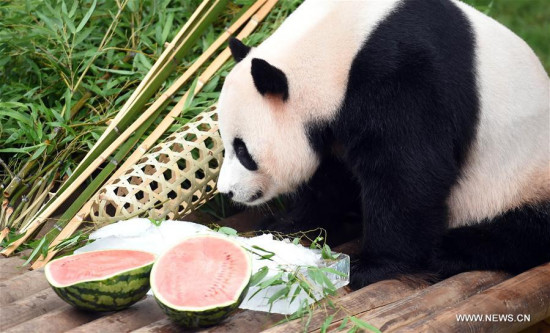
[171,180]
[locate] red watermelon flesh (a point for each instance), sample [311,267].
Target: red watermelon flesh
[200,273]
[96,265]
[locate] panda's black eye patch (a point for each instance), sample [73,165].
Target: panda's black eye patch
[243,155]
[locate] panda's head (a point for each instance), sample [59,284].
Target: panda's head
[267,151]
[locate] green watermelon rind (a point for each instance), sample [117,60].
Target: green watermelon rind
[195,317]
[112,293]
[204,318]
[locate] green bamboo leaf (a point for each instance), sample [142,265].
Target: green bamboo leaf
[274,280]
[327,282]
[67,20]
[155,222]
[18,116]
[344,323]
[115,71]
[282,293]
[72,11]
[259,276]
[144,61]
[47,21]
[326,253]
[326,324]
[81,36]
[227,231]
[313,273]
[16,150]
[364,325]
[133,5]
[64,7]
[191,96]
[167,27]
[38,152]
[68,97]
[87,16]
[36,251]
[333,271]
[296,293]
[262,249]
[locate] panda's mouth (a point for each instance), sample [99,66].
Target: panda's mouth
[256,196]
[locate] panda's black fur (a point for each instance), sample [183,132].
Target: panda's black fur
[396,148]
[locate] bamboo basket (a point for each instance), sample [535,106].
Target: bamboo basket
[171,180]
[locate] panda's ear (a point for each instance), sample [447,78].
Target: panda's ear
[238,49]
[269,79]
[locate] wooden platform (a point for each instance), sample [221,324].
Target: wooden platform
[28,304]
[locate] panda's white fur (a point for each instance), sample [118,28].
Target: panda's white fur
[508,165]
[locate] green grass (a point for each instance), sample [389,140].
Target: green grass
[529,19]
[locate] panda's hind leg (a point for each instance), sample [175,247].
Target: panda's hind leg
[329,200]
[513,242]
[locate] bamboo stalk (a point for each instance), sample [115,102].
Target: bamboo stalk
[75,222]
[4,233]
[37,184]
[70,185]
[15,181]
[6,167]
[28,217]
[36,202]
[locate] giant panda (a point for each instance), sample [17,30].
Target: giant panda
[427,117]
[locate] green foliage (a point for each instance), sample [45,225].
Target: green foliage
[529,19]
[227,231]
[72,66]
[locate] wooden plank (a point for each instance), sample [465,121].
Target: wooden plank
[540,327]
[21,286]
[160,326]
[368,298]
[29,307]
[527,293]
[10,267]
[242,321]
[429,300]
[246,321]
[60,320]
[138,315]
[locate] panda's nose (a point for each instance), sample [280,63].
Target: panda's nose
[230,194]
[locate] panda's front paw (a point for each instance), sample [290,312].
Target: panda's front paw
[364,273]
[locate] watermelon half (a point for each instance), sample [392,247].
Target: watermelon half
[201,280]
[105,280]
